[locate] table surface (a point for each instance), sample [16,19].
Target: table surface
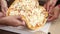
[55,27]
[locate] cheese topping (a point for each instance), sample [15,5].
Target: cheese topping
[14,13]
[29,9]
[34,16]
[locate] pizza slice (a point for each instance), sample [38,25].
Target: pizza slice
[34,15]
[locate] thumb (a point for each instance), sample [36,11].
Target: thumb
[19,17]
[15,23]
[19,23]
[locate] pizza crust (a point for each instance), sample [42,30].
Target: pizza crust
[34,16]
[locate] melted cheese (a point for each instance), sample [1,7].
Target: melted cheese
[29,9]
[14,13]
[35,16]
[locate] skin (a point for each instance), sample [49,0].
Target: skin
[12,21]
[50,4]
[9,20]
[52,10]
[1,15]
[54,14]
[4,6]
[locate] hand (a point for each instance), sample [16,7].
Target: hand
[4,6]
[1,15]
[12,21]
[54,14]
[50,4]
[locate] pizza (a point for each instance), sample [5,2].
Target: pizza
[30,11]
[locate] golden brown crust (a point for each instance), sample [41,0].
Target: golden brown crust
[38,25]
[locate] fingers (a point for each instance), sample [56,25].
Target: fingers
[50,10]
[10,21]
[45,6]
[18,17]
[54,14]
[4,6]
[52,18]
[4,9]
[23,23]
[53,4]
[1,15]
[50,4]
[16,23]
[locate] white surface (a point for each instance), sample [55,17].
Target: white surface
[23,30]
[46,28]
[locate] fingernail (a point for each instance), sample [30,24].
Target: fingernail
[23,23]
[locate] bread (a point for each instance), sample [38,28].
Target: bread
[29,11]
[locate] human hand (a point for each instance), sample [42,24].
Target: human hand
[50,4]
[1,15]
[12,21]
[9,20]
[54,14]
[4,6]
